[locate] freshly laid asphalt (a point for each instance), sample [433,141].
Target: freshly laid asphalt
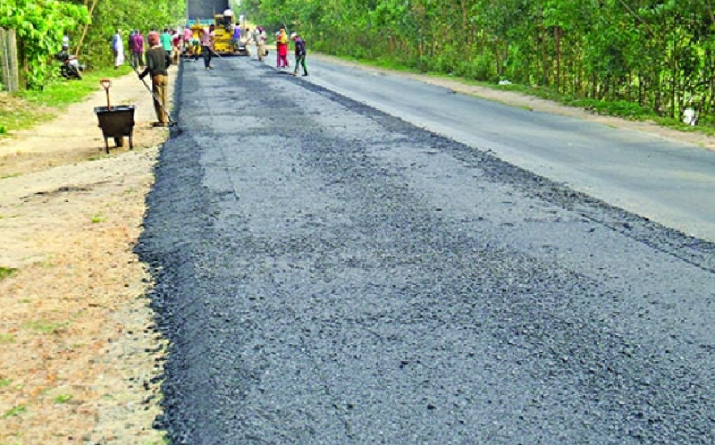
[329,274]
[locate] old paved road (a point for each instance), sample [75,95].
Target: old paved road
[329,274]
[669,182]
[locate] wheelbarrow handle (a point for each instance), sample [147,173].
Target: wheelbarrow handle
[106,83]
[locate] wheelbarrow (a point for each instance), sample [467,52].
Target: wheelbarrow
[116,122]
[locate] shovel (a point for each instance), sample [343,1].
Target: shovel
[106,83]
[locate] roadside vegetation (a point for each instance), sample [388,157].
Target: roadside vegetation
[638,59]
[40,26]
[30,107]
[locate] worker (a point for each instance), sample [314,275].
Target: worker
[236,38]
[259,37]
[282,49]
[166,40]
[157,63]
[188,35]
[207,45]
[299,54]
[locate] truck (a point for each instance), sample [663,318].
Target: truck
[217,12]
[205,10]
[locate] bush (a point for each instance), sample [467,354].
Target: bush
[613,108]
[478,68]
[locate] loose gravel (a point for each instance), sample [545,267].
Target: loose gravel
[329,274]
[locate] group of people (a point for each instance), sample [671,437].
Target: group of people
[282,51]
[165,48]
[203,44]
[169,39]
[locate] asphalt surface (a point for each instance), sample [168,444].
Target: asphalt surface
[667,181]
[329,274]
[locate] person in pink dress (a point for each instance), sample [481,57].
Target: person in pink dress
[282,48]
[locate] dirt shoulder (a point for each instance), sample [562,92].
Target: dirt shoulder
[78,353]
[537,104]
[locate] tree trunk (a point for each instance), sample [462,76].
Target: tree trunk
[84,31]
[557,39]
[465,32]
[544,61]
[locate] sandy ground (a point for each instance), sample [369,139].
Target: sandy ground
[78,353]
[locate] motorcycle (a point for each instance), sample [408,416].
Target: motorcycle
[70,68]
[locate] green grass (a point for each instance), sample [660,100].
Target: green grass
[98,218]
[30,108]
[6,339]
[7,272]
[63,398]
[62,93]
[15,411]
[164,440]
[45,327]
[10,175]
[5,382]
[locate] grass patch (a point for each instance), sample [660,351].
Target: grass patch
[45,327]
[164,440]
[5,382]
[7,272]
[63,398]
[7,339]
[98,218]
[14,411]
[28,108]
[10,175]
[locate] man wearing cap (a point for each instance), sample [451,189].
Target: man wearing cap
[157,63]
[299,54]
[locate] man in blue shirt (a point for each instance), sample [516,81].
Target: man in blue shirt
[299,54]
[166,41]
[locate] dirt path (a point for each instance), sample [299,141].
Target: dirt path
[78,354]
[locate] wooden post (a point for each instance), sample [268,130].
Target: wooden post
[8,60]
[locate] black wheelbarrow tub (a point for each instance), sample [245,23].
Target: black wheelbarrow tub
[116,122]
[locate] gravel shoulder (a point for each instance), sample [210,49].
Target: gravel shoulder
[79,357]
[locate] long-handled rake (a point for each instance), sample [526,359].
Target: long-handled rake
[172,123]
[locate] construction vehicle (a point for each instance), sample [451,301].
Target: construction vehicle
[218,13]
